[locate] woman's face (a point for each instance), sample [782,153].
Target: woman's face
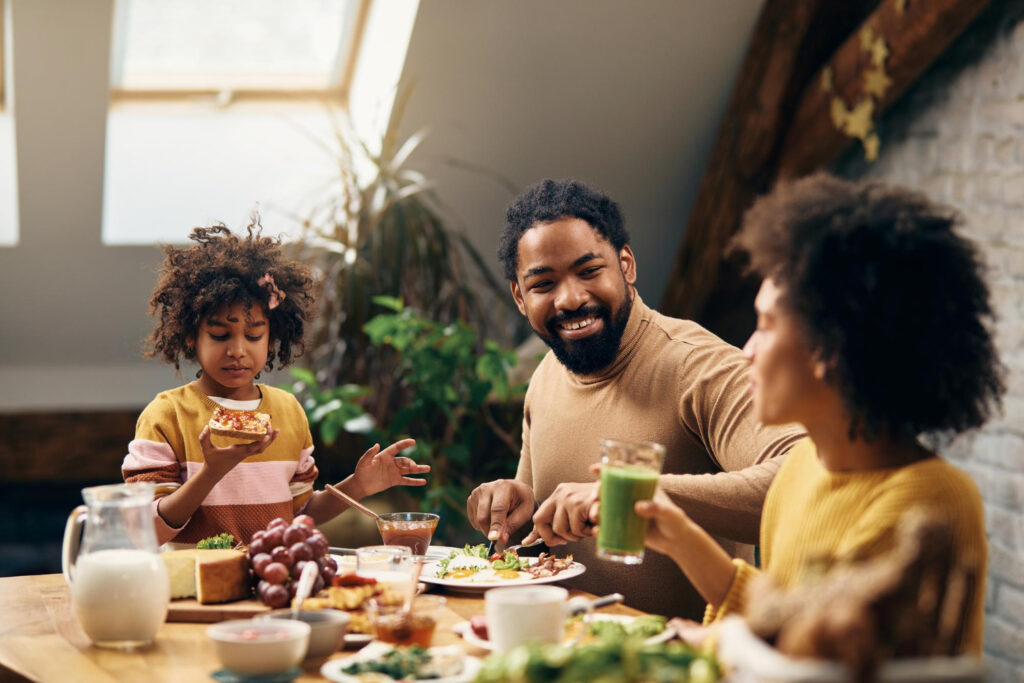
[786,381]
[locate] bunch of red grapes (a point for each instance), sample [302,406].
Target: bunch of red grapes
[279,554]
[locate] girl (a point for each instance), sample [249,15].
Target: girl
[871,332]
[235,305]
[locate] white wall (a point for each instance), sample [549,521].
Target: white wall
[624,95]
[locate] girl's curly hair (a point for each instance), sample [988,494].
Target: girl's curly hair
[889,295]
[222,269]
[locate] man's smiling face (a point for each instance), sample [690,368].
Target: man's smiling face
[575,290]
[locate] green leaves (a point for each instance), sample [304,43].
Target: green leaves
[333,410]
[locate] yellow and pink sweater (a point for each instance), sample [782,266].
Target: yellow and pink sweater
[275,483]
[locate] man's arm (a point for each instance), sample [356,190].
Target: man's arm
[715,405]
[727,504]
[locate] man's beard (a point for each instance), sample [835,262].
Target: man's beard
[593,353]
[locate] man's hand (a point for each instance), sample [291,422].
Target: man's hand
[378,470]
[563,517]
[498,508]
[220,461]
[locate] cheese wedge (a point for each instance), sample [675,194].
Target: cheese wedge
[209,576]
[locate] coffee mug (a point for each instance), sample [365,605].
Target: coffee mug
[520,615]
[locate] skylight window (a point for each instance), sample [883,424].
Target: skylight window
[261,46]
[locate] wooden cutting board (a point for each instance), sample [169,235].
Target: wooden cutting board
[192,611]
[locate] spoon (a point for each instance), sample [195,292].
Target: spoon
[305,587]
[351,501]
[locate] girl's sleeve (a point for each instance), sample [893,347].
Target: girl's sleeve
[301,484]
[736,599]
[151,457]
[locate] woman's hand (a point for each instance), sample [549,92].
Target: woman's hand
[669,530]
[378,470]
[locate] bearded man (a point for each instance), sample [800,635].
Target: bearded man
[620,370]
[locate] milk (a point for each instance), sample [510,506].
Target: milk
[120,596]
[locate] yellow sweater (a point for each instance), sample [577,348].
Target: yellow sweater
[813,515]
[275,483]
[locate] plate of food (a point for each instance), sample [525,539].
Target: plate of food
[384,663]
[469,569]
[653,628]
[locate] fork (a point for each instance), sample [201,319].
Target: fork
[536,541]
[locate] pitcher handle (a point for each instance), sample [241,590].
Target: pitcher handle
[72,540]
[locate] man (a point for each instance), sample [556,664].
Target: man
[620,370]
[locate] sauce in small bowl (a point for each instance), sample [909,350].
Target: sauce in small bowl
[412,529]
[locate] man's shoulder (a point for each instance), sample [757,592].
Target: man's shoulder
[685,337]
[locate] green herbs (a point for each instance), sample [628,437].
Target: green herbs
[218,541]
[610,661]
[641,627]
[398,663]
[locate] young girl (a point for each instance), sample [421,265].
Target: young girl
[871,332]
[235,305]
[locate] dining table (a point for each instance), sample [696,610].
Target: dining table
[41,640]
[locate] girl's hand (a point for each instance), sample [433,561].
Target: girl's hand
[378,470]
[220,461]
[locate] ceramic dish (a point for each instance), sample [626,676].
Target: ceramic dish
[431,569]
[332,670]
[462,629]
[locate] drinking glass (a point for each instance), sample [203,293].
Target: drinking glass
[390,564]
[392,624]
[630,473]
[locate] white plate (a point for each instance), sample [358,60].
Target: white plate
[462,628]
[332,669]
[430,570]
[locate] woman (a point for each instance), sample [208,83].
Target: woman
[871,333]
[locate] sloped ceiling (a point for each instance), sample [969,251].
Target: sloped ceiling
[624,95]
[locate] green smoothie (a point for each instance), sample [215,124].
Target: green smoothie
[621,531]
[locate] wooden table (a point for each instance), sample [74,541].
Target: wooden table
[40,639]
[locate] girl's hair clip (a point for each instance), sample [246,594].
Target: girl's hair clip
[276,295]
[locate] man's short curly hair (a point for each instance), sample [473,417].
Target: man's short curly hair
[550,200]
[889,295]
[219,270]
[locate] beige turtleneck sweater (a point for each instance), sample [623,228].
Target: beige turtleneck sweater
[676,384]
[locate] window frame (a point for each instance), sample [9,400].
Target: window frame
[343,72]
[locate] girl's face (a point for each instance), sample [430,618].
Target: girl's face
[786,381]
[231,347]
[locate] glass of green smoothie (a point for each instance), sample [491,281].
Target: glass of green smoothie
[629,473]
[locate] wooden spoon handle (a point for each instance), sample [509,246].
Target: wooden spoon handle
[351,501]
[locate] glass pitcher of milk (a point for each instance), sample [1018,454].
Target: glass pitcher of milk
[119,584]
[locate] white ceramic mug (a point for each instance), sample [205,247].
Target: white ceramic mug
[526,614]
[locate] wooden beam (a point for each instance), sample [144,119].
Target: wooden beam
[793,110]
[738,170]
[890,51]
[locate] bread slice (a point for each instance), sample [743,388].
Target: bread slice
[243,424]
[209,576]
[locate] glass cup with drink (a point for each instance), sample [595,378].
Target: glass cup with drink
[629,473]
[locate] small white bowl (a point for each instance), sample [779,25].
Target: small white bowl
[328,628]
[253,646]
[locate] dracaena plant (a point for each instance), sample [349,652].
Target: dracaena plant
[379,231]
[455,398]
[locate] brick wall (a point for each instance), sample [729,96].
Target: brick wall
[958,135]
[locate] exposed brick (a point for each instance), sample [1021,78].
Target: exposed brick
[1002,671]
[1004,638]
[1011,603]
[1005,527]
[1005,565]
